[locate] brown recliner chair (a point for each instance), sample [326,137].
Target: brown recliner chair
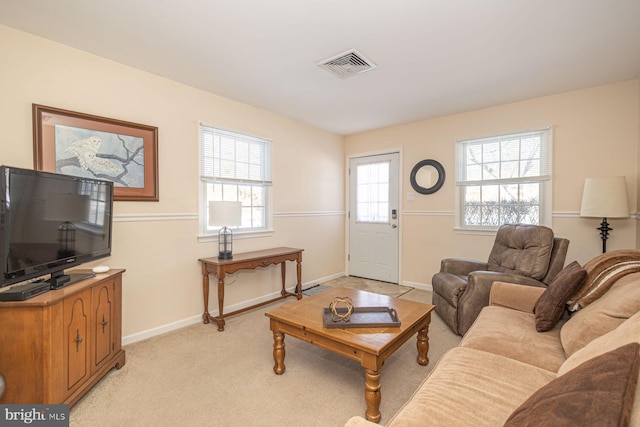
[523,254]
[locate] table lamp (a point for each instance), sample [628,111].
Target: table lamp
[225,215]
[605,198]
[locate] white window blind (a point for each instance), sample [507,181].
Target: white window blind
[504,179]
[229,156]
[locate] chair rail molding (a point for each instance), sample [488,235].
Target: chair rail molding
[308,213]
[163,216]
[135,217]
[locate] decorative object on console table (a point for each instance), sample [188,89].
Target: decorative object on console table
[604,198]
[225,215]
[98,147]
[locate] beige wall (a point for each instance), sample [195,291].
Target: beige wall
[163,284]
[595,133]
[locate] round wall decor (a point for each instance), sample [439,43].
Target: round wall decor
[427,176]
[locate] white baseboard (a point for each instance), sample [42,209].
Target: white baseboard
[149,333]
[324,279]
[421,286]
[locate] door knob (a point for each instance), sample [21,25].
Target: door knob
[394,226]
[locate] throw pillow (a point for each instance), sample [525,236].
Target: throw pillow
[550,305]
[602,272]
[599,392]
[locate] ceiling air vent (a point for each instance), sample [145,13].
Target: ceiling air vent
[347,64]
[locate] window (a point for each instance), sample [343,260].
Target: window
[372,198]
[504,179]
[235,168]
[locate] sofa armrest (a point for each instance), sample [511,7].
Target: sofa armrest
[514,296]
[476,295]
[460,266]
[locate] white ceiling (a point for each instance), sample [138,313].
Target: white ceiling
[433,57]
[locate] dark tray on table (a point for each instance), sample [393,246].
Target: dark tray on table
[363,317]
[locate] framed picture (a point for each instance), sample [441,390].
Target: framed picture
[98,147]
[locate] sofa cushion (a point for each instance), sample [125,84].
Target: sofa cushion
[602,272]
[522,249]
[467,382]
[614,307]
[627,332]
[512,334]
[598,392]
[552,302]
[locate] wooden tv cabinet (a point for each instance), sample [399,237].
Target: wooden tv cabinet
[56,346]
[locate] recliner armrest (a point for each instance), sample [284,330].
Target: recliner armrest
[515,296]
[461,267]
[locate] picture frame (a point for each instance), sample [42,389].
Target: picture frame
[91,146]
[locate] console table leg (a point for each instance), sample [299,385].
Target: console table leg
[205,294]
[372,395]
[278,353]
[220,319]
[299,274]
[283,271]
[423,344]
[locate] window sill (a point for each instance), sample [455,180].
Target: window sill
[476,231]
[236,235]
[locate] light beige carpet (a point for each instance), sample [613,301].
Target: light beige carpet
[197,376]
[369,285]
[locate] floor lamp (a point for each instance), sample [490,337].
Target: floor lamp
[225,215]
[605,198]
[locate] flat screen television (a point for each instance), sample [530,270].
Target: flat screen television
[50,222]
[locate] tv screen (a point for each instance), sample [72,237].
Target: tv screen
[49,222]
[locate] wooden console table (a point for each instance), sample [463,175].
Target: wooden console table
[247,260]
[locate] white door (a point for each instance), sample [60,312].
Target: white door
[373,217]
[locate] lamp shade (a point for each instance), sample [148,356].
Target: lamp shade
[225,214]
[605,198]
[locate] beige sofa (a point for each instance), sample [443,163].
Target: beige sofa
[503,364]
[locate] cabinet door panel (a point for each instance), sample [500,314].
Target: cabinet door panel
[76,336]
[104,307]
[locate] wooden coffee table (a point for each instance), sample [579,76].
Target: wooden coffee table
[303,319]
